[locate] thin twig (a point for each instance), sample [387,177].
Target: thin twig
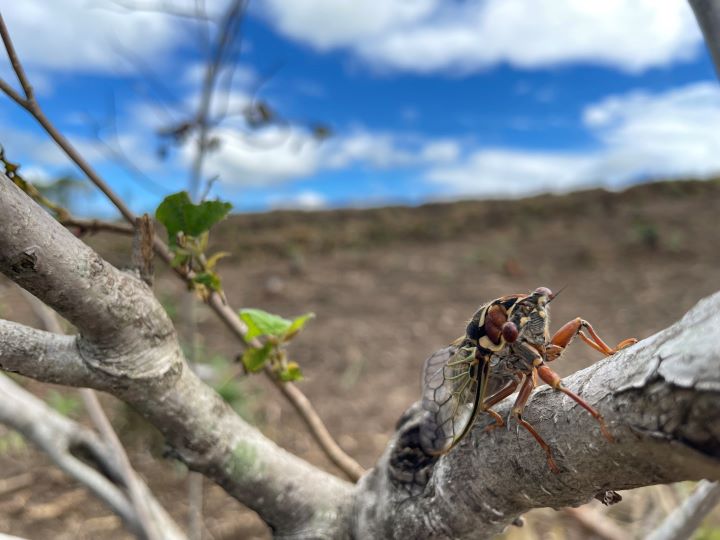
[302,405]
[137,495]
[15,61]
[596,522]
[97,225]
[225,37]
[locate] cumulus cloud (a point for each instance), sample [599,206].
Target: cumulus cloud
[280,154]
[86,37]
[640,135]
[434,35]
[305,200]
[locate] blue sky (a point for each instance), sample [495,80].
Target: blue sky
[426,99]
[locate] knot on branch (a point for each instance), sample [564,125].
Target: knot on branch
[410,467]
[25,262]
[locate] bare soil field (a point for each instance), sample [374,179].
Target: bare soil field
[389,286]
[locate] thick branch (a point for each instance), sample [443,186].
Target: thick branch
[127,346]
[661,399]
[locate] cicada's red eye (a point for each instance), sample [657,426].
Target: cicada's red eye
[510,332]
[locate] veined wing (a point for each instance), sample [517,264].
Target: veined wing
[452,390]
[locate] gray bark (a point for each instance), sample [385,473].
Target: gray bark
[659,397]
[707,13]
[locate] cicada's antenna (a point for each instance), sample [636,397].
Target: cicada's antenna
[555,295]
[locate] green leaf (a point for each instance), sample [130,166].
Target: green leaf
[262,323]
[254,359]
[291,373]
[297,325]
[210,279]
[213,260]
[178,213]
[181,257]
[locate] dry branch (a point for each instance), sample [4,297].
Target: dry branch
[63,441]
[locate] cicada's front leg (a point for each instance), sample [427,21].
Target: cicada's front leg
[578,326]
[554,380]
[517,410]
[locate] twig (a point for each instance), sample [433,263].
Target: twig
[8,485]
[302,405]
[298,400]
[225,37]
[596,522]
[143,253]
[15,61]
[60,437]
[681,523]
[96,225]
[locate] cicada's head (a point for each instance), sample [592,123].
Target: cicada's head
[531,317]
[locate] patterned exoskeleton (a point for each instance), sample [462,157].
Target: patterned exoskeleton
[507,345]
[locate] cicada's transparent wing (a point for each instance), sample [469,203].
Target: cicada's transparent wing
[450,388]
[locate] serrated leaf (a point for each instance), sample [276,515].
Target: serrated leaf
[178,213]
[291,373]
[262,323]
[298,324]
[254,359]
[210,279]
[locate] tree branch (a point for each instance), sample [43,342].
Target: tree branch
[707,13]
[62,440]
[661,399]
[127,346]
[683,521]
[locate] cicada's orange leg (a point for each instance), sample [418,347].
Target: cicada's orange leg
[565,335]
[496,398]
[554,380]
[517,410]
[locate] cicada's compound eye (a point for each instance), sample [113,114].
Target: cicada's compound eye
[510,332]
[543,291]
[473,330]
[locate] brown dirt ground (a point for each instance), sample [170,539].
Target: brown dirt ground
[389,286]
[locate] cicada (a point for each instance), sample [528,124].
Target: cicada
[506,346]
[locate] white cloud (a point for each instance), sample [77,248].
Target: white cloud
[501,172]
[279,154]
[78,35]
[305,200]
[640,135]
[431,35]
[272,155]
